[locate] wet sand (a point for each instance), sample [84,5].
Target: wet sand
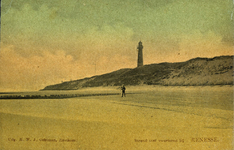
[149,119]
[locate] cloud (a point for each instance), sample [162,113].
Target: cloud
[35,72]
[197,44]
[202,45]
[185,47]
[53,23]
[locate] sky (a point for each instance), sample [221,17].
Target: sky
[48,42]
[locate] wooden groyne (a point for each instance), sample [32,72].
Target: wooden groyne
[53,96]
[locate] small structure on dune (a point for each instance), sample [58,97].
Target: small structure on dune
[140,54]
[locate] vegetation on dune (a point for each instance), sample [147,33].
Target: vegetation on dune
[194,72]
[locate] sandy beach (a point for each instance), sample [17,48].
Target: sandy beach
[147,118]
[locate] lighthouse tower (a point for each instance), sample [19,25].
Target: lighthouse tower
[140,54]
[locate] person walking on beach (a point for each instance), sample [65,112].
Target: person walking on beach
[123,91]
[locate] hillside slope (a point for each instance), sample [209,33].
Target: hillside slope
[198,71]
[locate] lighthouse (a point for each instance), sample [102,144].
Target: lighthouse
[140,54]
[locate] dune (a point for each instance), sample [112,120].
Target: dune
[194,72]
